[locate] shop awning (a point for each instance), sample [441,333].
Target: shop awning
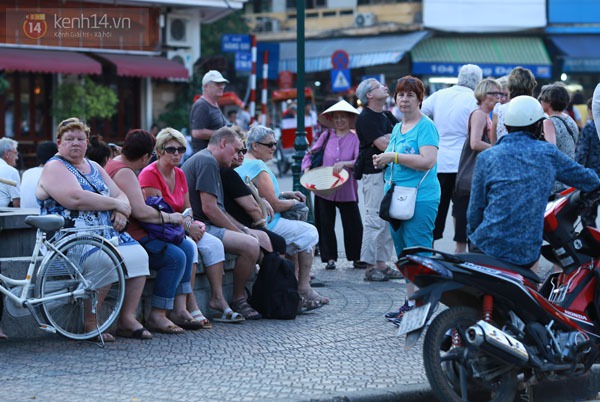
[47,61]
[580,52]
[131,65]
[497,56]
[363,51]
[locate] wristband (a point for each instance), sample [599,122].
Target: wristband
[396,158]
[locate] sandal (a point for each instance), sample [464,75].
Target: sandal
[311,296]
[140,333]
[105,338]
[228,316]
[198,316]
[241,306]
[169,329]
[189,324]
[308,305]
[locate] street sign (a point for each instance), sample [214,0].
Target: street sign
[232,43]
[340,80]
[243,61]
[340,60]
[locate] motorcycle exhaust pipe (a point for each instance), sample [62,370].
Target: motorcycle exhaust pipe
[497,343]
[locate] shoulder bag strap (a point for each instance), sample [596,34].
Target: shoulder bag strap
[79,174]
[563,121]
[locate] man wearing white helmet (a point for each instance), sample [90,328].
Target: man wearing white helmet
[511,185]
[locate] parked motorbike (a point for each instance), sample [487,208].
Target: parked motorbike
[502,332]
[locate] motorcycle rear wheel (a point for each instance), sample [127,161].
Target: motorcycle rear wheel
[451,374]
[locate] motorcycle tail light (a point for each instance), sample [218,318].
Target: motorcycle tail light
[425,266]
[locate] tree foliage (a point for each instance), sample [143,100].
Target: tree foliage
[85,99]
[211,33]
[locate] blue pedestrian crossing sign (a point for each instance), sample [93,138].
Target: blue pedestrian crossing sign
[340,80]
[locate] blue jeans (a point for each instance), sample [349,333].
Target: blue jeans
[173,266]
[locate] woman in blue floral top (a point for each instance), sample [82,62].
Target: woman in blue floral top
[84,194]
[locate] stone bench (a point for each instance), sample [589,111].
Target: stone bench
[17,240]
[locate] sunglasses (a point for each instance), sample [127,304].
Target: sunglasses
[241,151]
[172,150]
[270,144]
[495,93]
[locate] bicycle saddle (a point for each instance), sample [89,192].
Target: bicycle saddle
[45,222]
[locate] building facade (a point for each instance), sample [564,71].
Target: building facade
[143,50]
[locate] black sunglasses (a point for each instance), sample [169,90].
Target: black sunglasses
[172,150]
[242,151]
[270,144]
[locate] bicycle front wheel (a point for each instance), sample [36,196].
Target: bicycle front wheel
[89,269]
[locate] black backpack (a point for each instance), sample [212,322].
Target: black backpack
[275,291]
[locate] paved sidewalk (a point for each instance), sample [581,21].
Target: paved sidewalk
[343,348]
[345,351]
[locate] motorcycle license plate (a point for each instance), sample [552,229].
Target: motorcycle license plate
[414,319]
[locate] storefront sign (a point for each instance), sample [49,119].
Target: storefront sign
[489,70]
[126,28]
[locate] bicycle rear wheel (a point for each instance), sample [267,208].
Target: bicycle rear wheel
[90,267]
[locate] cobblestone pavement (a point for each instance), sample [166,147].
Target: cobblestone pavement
[345,351]
[339,349]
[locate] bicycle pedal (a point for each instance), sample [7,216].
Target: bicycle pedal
[48,328]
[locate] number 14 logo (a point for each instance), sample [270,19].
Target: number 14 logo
[35,25]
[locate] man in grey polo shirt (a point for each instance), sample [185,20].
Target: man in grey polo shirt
[206,197]
[206,116]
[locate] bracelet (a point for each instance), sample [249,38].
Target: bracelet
[396,158]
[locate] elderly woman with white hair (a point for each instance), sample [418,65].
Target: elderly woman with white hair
[301,237]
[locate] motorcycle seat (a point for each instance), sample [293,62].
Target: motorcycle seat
[489,261]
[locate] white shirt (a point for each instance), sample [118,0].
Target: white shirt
[29,183]
[7,192]
[450,109]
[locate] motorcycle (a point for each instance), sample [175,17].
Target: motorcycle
[502,332]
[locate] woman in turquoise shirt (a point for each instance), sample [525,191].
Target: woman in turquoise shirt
[410,156]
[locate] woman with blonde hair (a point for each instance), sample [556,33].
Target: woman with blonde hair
[164,178]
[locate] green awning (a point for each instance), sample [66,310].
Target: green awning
[495,55]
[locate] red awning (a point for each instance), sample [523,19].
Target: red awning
[146,66]
[47,61]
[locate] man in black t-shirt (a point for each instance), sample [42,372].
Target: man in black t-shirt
[373,127]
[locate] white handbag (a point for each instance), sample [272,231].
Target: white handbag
[403,203]
[404,199]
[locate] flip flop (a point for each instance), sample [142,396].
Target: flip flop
[229,316]
[190,324]
[169,329]
[140,333]
[198,316]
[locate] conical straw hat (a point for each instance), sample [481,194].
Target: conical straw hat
[323,181]
[342,106]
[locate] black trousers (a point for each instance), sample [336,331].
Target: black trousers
[325,213]
[447,181]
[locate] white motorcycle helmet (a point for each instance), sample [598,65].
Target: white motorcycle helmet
[523,111]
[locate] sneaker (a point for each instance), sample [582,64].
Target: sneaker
[330,265]
[392,273]
[375,275]
[398,318]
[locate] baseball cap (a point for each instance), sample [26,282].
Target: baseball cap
[213,76]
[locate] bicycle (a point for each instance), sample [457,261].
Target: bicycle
[78,286]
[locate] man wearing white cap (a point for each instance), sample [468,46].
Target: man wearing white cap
[206,116]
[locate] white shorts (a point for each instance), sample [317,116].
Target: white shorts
[211,250]
[300,236]
[135,258]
